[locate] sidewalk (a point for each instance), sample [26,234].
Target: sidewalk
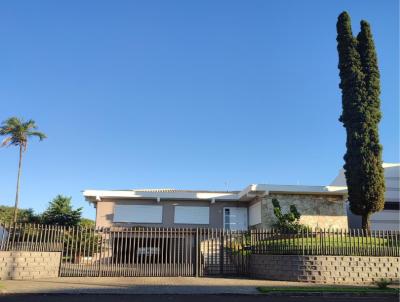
[139,285]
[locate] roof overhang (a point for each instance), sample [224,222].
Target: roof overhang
[97,195]
[257,190]
[249,193]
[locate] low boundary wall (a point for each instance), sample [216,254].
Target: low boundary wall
[325,269]
[19,265]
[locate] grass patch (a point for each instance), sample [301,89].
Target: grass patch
[325,289]
[334,241]
[328,245]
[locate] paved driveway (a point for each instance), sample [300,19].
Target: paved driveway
[141,285]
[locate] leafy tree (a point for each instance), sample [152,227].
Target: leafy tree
[17,133]
[289,221]
[24,215]
[81,236]
[87,223]
[361,114]
[60,212]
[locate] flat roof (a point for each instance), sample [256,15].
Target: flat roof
[248,193]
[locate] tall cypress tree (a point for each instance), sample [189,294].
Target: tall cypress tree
[374,179]
[359,76]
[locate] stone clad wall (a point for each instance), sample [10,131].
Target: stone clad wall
[317,211]
[29,265]
[325,269]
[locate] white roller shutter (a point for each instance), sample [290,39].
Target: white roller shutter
[138,213]
[255,214]
[192,215]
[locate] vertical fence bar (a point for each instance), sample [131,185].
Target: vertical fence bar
[196,249]
[125,252]
[221,251]
[76,233]
[3,227]
[130,252]
[163,255]
[37,231]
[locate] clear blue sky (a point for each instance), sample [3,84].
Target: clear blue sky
[182,94]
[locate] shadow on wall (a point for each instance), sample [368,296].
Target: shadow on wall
[354,220]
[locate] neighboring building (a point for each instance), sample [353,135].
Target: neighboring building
[389,218]
[319,206]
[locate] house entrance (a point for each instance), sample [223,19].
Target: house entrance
[235,219]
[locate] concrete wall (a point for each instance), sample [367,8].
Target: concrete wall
[29,265]
[105,212]
[323,211]
[325,269]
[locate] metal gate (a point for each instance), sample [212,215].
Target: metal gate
[154,252]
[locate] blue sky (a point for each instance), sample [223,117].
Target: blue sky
[182,94]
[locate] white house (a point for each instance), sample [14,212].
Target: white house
[319,206]
[389,218]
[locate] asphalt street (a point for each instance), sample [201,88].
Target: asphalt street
[185,298]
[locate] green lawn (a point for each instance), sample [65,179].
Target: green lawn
[330,243]
[333,240]
[326,289]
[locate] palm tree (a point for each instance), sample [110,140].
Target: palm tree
[18,133]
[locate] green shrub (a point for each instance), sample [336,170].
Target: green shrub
[383,283]
[289,221]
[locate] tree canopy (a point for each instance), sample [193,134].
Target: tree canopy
[60,212]
[24,215]
[360,85]
[17,133]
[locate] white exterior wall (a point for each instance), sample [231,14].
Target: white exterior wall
[386,219]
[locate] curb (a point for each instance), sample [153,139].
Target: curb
[330,294]
[277,294]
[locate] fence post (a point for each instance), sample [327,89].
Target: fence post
[221,253]
[101,249]
[196,249]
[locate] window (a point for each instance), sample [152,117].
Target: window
[192,215]
[227,220]
[390,205]
[138,213]
[235,218]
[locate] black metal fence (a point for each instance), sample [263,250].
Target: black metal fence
[139,251]
[134,251]
[31,237]
[355,242]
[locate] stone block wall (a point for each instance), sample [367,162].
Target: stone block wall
[29,265]
[317,211]
[325,269]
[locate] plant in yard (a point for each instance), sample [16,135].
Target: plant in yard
[360,85]
[60,212]
[77,237]
[17,133]
[289,221]
[383,283]
[24,215]
[87,223]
